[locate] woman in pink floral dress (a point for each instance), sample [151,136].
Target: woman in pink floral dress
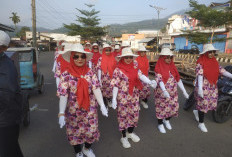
[96,56]
[206,91]
[143,64]
[80,94]
[126,86]
[166,96]
[105,67]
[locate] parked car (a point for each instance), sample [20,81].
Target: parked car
[14,56]
[31,78]
[194,50]
[42,48]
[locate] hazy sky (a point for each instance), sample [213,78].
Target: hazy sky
[52,14]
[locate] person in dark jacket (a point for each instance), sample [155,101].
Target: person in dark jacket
[10,103]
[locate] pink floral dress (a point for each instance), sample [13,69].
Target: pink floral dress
[57,70]
[166,107]
[210,92]
[105,79]
[145,92]
[94,67]
[81,125]
[127,105]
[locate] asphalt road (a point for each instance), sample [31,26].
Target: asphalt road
[44,138]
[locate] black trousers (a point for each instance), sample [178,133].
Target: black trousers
[160,121]
[9,145]
[130,130]
[78,148]
[201,116]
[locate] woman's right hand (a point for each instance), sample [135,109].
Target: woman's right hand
[166,94]
[61,121]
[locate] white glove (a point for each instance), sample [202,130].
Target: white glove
[145,79]
[90,64]
[166,94]
[114,100]
[54,67]
[180,84]
[57,82]
[62,107]
[153,84]
[227,74]
[200,83]
[99,76]
[98,94]
[62,121]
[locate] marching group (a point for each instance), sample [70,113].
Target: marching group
[113,76]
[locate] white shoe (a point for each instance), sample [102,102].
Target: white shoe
[125,142]
[195,112]
[88,152]
[161,128]
[167,124]
[202,127]
[133,137]
[144,104]
[79,154]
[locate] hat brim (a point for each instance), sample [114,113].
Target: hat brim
[167,54]
[134,56]
[142,51]
[66,55]
[217,50]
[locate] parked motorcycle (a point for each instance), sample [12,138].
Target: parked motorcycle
[224,106]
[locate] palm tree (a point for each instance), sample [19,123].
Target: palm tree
[15,18]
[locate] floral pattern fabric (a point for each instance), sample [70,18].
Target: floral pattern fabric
[105,80]
[145,92]
[127,105]
[81,125]
[210,92]
[166,107]
[57,70]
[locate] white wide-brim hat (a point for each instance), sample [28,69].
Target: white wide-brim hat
[208,47]
[4,39]
[127,52]
[117,47]
[106,46]
[75,48]
[95,44]
[166,52]
[125,44]
[66,46]
[142,48]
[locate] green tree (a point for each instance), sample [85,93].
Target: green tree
[88,25]
[22,33]
[210,19]
[15,18]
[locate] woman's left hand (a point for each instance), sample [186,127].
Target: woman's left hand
[104,110]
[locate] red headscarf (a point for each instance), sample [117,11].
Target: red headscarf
[117,53]
[96,56]
[87,50]
[108,63]
[143,63]
[163,68]
[210,68]
[132,75]
[82,85]
[63,63]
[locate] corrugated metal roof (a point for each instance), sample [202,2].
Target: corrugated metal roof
[6,28]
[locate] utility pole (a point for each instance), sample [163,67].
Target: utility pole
[33,23]
[158,9]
